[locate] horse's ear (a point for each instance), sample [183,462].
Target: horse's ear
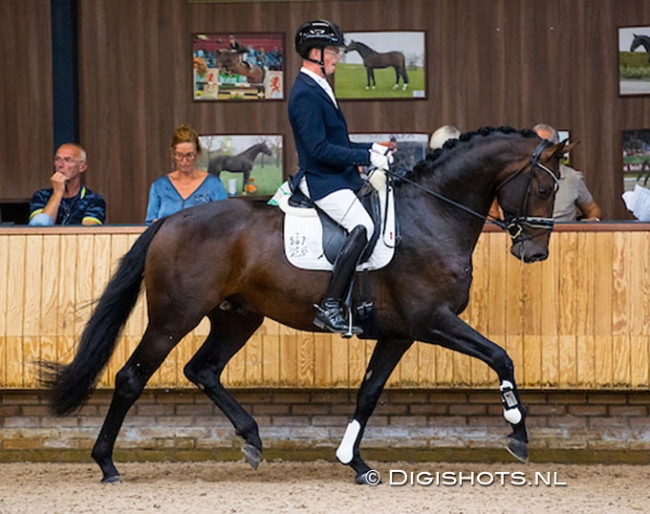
[559,149]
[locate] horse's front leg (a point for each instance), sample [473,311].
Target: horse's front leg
[384,358]
[247,174]
[453,333]
[368,77]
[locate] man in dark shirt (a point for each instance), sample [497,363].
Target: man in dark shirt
[68,202]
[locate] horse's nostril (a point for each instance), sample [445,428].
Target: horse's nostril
[537,257]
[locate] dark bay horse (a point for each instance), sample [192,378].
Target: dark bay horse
[240,163]
[230,62]
[225,260]
[641,40]
[373,59]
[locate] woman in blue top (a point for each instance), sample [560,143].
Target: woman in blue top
[187,185]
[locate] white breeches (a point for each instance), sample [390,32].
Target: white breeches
[344,207]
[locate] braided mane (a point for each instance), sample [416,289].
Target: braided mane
[431,156]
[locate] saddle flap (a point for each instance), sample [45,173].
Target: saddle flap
[313,244]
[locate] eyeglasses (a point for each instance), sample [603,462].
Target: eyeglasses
[65,160]
[184,156]
[336,52]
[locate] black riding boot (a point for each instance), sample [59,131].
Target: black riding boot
[330,315]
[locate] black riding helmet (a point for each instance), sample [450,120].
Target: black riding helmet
[317,34]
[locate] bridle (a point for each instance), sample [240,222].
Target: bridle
[514,225]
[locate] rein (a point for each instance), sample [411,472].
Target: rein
[513,225]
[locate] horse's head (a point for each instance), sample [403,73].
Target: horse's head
[351,47]
[225,58]
[265,149]
[526,194]
[636,42]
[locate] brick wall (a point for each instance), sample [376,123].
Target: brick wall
[308,424]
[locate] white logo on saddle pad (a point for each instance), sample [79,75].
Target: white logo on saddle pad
[303,236]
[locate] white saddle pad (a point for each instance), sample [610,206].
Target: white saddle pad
[303,236]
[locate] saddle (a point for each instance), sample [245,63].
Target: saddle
[312,240]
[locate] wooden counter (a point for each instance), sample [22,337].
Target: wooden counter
[580,320]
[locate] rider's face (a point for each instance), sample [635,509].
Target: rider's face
[331,57]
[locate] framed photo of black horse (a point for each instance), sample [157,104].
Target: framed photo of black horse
[382,65]
[238,66]
[248,165]
[634,60]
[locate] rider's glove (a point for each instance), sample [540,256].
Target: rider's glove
[380,156]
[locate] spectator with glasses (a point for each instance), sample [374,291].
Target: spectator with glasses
[68,201]
[185,186]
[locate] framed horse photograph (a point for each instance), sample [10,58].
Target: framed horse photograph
[636,158]
[634,60]
[248,165]
[238,66]
[385,65]
[408,148]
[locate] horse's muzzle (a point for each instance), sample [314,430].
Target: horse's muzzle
[529,250]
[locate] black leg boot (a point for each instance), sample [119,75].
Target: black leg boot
[329,315]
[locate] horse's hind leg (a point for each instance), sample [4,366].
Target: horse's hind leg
[229,331]
[129,383]
[384,358]
[397,75]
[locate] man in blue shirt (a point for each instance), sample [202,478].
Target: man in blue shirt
[68,202]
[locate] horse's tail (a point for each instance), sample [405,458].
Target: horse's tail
[71,385]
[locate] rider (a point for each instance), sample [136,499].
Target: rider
[329,162]
[239,49]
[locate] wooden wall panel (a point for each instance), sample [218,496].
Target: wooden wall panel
[578,320]
[490,62]
[25,97]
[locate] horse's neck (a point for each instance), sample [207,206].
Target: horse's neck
[252,152]
[363,50]
[644,41]
[465,183]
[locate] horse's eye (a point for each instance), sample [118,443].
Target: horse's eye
[543,192]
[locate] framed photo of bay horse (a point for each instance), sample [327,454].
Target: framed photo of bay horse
[382,65]
[249,165]
[238,66]
[408,148]
[634,61]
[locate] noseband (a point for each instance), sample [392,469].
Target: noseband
[515,224]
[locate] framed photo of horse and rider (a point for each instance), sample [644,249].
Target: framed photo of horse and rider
[250,66]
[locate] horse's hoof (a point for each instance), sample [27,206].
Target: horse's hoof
[518,449]
[115,479]
[253,455]
[370,477]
